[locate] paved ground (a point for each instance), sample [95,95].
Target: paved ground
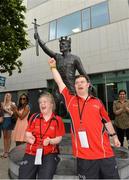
[4,162]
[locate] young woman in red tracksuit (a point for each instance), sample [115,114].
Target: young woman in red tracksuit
[44,133]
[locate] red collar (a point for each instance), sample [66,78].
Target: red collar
[52,116]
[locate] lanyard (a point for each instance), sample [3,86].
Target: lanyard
[79,110]
[42,135]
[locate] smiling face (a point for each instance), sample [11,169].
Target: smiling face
[122,95]
[46,104]
[81,86]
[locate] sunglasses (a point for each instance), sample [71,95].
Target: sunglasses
[22,98]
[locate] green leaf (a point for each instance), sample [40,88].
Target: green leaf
[12,35]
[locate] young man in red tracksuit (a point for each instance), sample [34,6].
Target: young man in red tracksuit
[90,140]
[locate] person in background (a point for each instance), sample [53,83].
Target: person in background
[44,133]
[90,131]
[121,111]
[7,123]
[22,113]
[1,117]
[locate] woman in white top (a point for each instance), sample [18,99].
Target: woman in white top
[7,123]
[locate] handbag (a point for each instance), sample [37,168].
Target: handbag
[1,119]
[1,116]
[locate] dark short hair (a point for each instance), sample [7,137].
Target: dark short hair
[79,76]
[122,90]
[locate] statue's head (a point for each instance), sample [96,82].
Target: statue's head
[65,44]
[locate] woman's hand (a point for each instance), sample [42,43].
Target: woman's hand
[55,140]
[46,141]
[8,110]
[13,107]
[29,138]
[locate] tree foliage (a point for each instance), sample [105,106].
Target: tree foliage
[12,35]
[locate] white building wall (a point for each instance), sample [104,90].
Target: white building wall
[119,9]
[54,9]
[101,49]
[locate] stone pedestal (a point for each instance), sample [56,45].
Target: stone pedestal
[122,158]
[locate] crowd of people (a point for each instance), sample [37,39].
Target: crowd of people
[11,114]
[91,129]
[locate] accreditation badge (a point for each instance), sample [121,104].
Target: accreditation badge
[83,139]
[38,157]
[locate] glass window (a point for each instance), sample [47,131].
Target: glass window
[52,30]
[99,15]
[69,24]
[86,19]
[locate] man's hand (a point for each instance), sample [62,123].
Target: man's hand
[29,138]
[52,63]
[116,141]
[57,77]
[126,108]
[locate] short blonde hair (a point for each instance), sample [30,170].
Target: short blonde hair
[50,96]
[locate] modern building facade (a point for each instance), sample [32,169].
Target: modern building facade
[99,30]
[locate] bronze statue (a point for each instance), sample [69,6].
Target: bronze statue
[67,63]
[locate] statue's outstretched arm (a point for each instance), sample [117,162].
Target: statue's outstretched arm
[44,47]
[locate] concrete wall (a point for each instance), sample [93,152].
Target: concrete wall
[101,49]
[119,9]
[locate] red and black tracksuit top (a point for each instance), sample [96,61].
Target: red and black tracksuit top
[38,127]
[93,113]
